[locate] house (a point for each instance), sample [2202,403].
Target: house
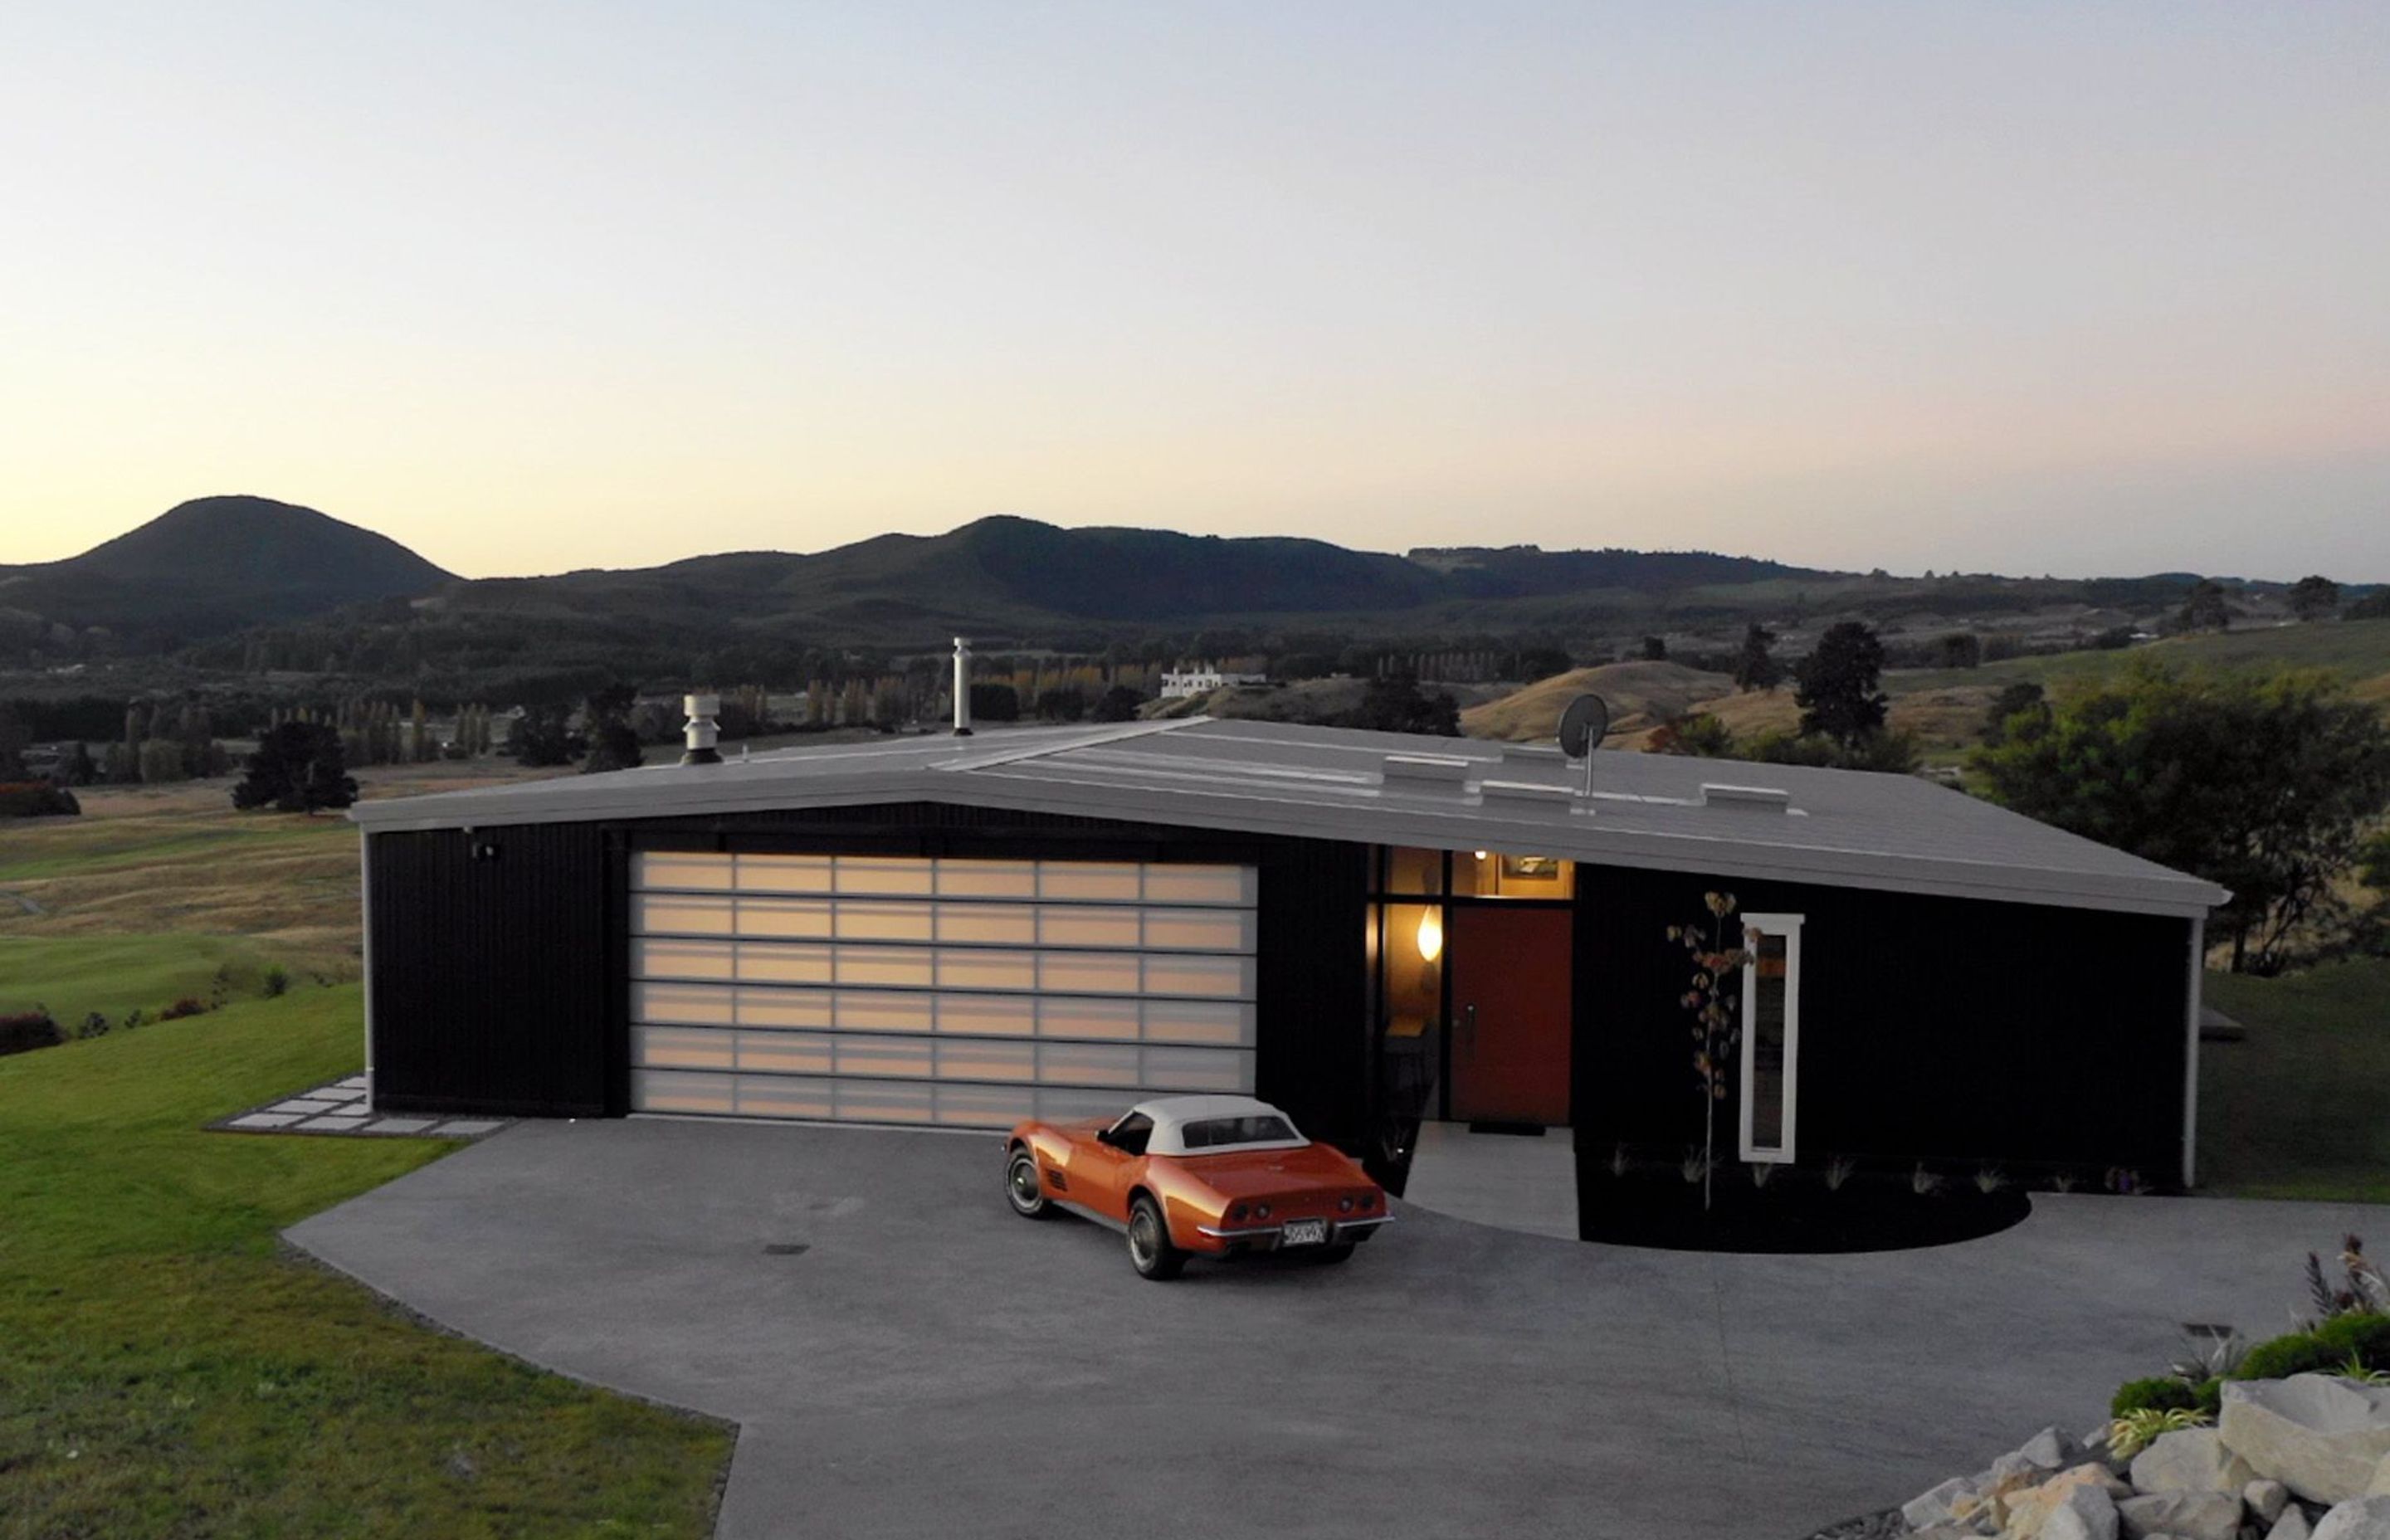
[1367,929]
[1202,679]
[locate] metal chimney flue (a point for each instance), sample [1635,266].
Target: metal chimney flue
[702,732]
[962,687]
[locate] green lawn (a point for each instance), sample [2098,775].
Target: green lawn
[166,1371]
[2355,651]
[2301,1109]
[71,976]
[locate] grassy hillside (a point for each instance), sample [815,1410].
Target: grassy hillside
[2301,1109]
[169,1372]
[1641,695]
[1943,707]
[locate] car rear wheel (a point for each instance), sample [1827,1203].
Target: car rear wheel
[1149,1251]
[1023,1188]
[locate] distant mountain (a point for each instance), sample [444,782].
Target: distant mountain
[218,564]
[1011,574]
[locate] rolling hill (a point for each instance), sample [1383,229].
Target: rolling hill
[217,564]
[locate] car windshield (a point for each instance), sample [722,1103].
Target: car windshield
[1219,1133]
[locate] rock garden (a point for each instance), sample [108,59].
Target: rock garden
[2285,1439]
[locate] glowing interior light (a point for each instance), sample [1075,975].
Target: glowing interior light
[1481,855]
[1431,936]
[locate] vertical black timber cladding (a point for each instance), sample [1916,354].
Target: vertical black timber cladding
[1313,987]
[492,975]
[1941,1030]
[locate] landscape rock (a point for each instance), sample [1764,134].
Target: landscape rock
[2029,1511]
[2265,1499]
[1931,1507]
[2050,1449]
[2085,1512]
[2292,1525]
[2380,1485]
[2191,1514]
[2358,1519]
[2319,1435]
[2190,1459]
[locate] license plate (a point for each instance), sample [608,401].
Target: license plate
[1303,1232]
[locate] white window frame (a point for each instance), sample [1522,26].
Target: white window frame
[1788,927]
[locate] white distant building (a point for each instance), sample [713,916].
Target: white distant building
[1203,679]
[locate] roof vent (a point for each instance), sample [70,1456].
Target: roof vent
[962,687]
[1532,793]
[702,733]
[1420,772]
[1767,798]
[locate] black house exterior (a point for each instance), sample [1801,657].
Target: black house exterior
[1368,929]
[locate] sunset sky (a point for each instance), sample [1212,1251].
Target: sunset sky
[2029,288]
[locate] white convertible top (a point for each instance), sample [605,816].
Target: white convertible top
[1172,1114]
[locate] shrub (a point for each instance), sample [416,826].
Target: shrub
[2362,1336]
[276,981]
[2135,1432]
[180,1008]
[26,1029]
[2158,1394]
[35,800]
[93,1025]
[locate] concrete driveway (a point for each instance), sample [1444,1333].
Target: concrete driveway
[932,1365]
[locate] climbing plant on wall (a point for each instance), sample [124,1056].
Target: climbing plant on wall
[1718,1024]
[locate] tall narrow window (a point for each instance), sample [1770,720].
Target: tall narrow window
[1771,1034]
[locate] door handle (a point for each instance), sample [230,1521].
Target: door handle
[1469,1021]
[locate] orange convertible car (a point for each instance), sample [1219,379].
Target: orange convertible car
[1196,1175]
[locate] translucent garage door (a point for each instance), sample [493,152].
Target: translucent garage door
[970,993]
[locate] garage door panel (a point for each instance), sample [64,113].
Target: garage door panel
[786,1096]
[680,1091]
[950,990]
[785,1052]
[785,964]
[787,919]
[683,1048]
[988,1015]
[1070,1016]
[657,958]
[683,915]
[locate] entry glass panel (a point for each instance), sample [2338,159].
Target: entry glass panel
[1771,1034]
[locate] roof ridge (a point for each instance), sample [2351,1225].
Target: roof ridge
[1092,739]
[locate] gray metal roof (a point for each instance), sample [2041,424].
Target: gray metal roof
[1720,816]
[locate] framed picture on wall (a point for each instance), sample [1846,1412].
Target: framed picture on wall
[1532,868]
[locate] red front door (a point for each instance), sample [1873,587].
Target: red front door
[1511,1013]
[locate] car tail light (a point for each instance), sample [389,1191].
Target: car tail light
[1345,1205]
[1261,1210]
[1236,1214]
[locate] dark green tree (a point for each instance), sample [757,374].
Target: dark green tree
[543,737]
[2023,695]
[1839,693]
[1655,650]
[2314,597]
[1697,733]
[1065,703]
[2266,786]
[995,704]
[1396,704]
[1119,703]
[1961,650]
[2205,608]
[613,741]
[299,767]
[1755,667]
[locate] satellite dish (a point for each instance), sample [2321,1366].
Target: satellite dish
[1584,725]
